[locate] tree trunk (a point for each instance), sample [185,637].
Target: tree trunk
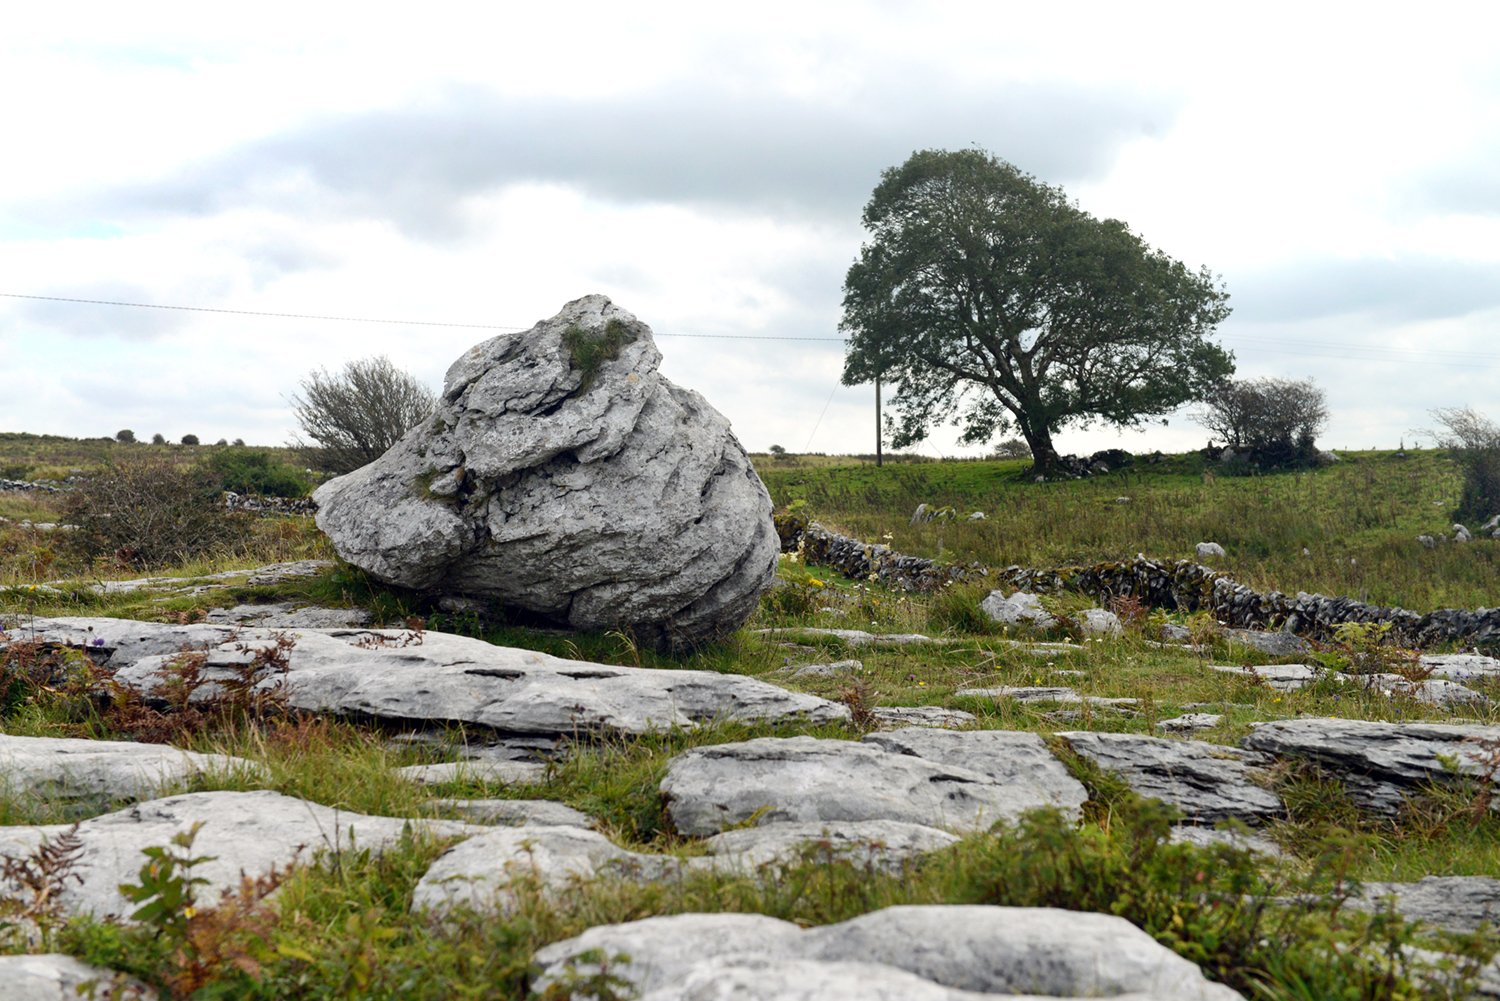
[1043,454]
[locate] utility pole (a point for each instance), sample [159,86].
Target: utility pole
[878,456]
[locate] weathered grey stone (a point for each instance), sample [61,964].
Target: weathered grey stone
[894,717]
[1207,783]
[830,670]
[1460,666]
[850,637]
[1282,677]
[496,772]
[285,615]
[246,832]
[991,951]
[1207,837]
[1277,643]
[1098,622]
[1381,763]
[1429,691]
[55,977]
[749,978]
[515,812]
[1045,693]
[603,499]
[479,872]
[957,781]
[1459,904]
[1205,550]
[438,677]
[1171,632]
[1019,609]
[881,844]
[1461,533]
[1190,722]
[104,770]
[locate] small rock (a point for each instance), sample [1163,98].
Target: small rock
[55,977]
[1206,550]
[1190,722]
[494,772]
[1458,904]
[886,845]
[976,516]
[1460,533]
[830,670]
[1427,541]
[104,770]
[1043,693]
[1459,666]
[1098,622]
[895,717]
[1019,609]
[515,812]
[1282,677]
[1277,643]
[1207,837]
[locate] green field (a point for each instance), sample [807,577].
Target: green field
[343,927]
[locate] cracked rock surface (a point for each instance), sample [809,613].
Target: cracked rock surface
[946,952]
[602,499]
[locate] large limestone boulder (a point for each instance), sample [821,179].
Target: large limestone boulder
[563,474]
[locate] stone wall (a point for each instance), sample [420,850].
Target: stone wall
[1171,585]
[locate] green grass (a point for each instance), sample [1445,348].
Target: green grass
[1357,519]
[343,928]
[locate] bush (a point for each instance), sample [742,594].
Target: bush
[254,471]
[1277,421]
[190,439]
[148,513]
[1473,441]
[125,436]
[1011,448]
[354,416]
[158,439]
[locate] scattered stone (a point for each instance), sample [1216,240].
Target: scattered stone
[886,845]
[1205,550]
[1278,643]
[441,678]
[1171,632]
[1459,666]
[1122,499]
[242,832]
[104,771]
[515,812]
[990,951]
[1098,622]
[1281,677]
[1190,722]
[1208,837]
[850,637]
[1207,783]
[593,492]
[920,515]
[894,717]
[1380,764]
[1427,541]
[1492,525]
[1043,693]
[1460,533]
[1458,904]
[285,615]
[55,977]
[959,781]
[830,670]
[1429,691]
[492,772]
[976,516]
[1020,609]
[479,873]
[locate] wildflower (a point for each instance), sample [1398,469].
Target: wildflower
[97,641]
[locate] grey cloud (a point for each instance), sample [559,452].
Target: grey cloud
[415,166]
[1400,290]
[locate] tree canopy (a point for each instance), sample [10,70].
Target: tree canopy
[996,303]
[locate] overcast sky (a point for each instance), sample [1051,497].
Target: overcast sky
[705,166]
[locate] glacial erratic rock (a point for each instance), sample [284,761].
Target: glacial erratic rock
[562,474]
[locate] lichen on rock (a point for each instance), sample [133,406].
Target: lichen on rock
[562,474]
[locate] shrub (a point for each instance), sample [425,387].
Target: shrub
[1276,420]
[148,513]
[125,436]
[1473,441]
[354,416]
[254,471]
[1011,448]
[158,439]
[190,439]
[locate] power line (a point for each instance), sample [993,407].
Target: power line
[369,319]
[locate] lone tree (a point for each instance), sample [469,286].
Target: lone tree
[354,416]
[996,303]
[1277,420]
[1473,440]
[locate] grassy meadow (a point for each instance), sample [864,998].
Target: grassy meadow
[343,928]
